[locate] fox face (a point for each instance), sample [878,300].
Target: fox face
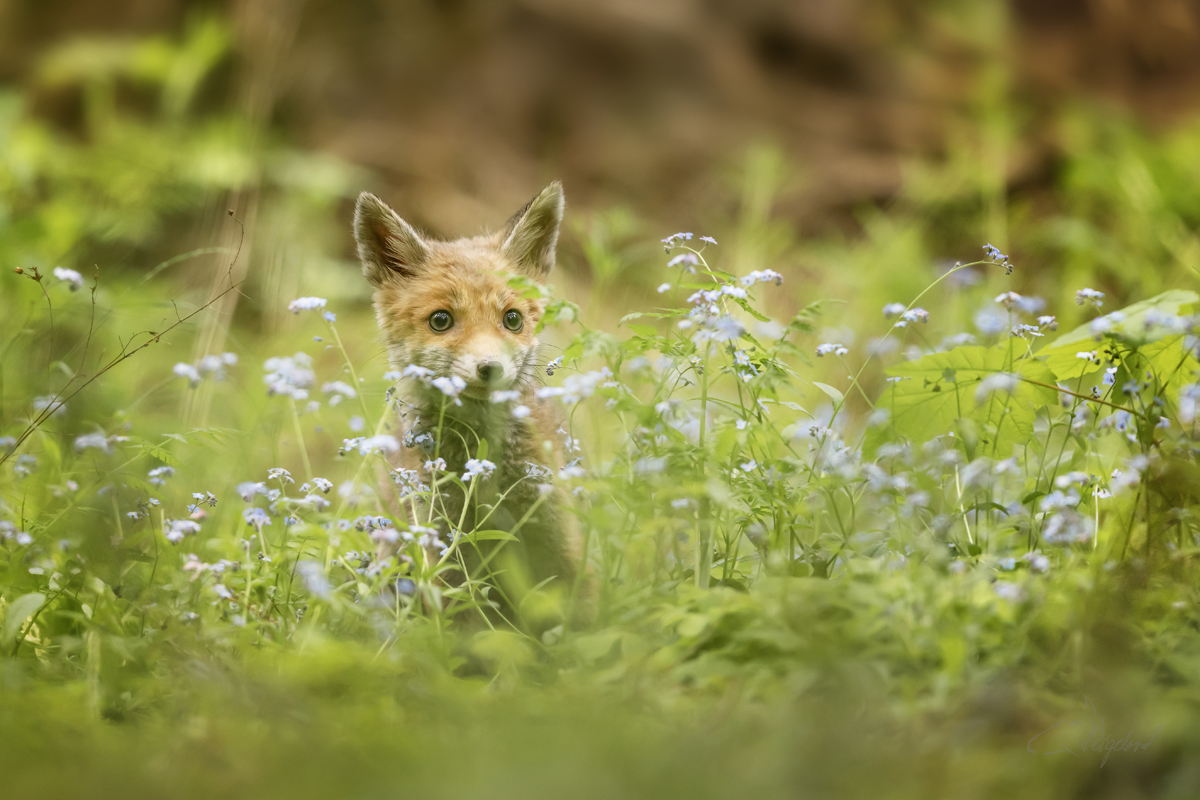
[447,307]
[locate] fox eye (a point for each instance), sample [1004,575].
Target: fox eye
[441,321]
[513,320]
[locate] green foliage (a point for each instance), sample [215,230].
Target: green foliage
[809,580]
[934,394]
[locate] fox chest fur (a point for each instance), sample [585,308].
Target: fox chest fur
[463,333]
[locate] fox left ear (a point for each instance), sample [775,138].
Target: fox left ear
[531,236]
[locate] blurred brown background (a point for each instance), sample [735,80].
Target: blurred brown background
[463,108]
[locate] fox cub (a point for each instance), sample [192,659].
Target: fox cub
[448,309]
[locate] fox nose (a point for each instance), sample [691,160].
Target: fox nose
[489,371]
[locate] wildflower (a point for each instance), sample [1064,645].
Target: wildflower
[1067,527]
[280,474]
[322,484]
[571,471]
[223,591]
[521,412]
[554,364]
[383,443]
[436,465]
[724,329]
[249,489]
[1009,300]
[1050,323]
[1007,564]
[834,348]
[1102,325]
[337,391]
[996,257]
[537,471]
[256,517]
[93,441]
[290,376]
[428,538]
[187,371]
[1059,500]
[478,466]
[452,387]
[990,321]
[207,498]
[420,373]
[681,503]
[688,260]
[749,466]
[306,304]
[356,423]
[1087,355]
[1026,331]
[674,239]
[664,287]
[894,310]
[176,529]
[505,397]
[1189,403]
[1037,562]
[329,316]
[708,239]
[312,575]
[915,315]
[1009,591]
[391,376]
[158,476]
[762,276]
[1089,297]
[997,382]
[576,387]
[69,276]
[1063,481]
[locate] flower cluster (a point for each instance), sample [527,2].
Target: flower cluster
[213,366]
[996,257]
[289,376]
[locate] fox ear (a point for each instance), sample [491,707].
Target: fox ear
[530,237]
[388,246]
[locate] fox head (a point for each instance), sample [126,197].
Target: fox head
[448,306]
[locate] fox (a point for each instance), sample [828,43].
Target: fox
[448,309]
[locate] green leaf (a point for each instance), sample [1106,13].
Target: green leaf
[837,396]
[484,536]
[21,609]
[628,317]
[1060,355]
[937,390]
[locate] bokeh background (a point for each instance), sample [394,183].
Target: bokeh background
[824,137]
[858,147]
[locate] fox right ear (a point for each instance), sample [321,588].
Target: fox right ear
[388,246]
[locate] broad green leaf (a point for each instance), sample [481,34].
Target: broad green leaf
[1060,355]
[20,610]
[938,389]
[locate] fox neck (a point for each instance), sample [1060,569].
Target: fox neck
[462,430]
